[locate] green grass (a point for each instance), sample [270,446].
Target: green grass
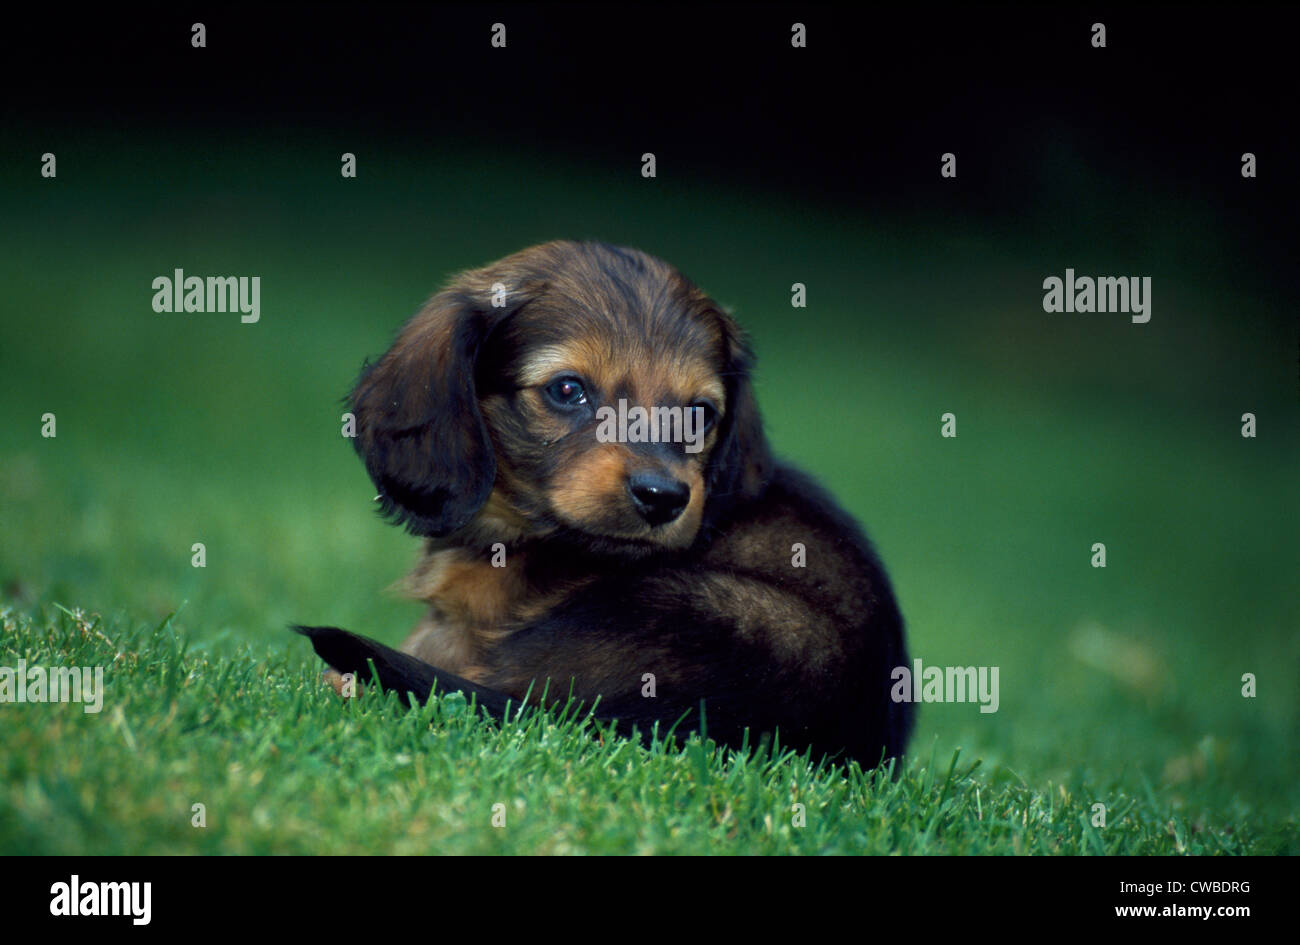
[283,766]
[1118,686]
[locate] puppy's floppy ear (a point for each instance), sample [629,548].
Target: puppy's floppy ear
[419,429]
[741,463]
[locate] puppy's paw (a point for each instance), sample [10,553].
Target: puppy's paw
[345,684]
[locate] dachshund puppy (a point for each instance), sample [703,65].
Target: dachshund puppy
[685,575]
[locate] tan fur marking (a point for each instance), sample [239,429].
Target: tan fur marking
[550,360]
[600,481]
[790,629]
[473,607]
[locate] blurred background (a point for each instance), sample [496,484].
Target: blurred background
[775,166]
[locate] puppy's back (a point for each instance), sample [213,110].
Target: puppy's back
[767,636]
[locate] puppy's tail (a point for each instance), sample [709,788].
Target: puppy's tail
[397,671]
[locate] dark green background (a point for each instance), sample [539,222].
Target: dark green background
[1073,429]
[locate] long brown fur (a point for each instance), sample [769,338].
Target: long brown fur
[552,556]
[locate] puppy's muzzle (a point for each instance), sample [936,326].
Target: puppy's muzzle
[659,499]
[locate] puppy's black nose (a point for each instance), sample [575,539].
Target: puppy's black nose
[659,499]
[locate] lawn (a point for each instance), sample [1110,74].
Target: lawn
[1120,686]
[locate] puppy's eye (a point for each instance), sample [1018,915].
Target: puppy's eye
[707,416]
[567,392]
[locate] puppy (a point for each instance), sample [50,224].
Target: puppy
[685,577]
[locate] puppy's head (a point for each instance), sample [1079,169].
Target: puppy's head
[572,389]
